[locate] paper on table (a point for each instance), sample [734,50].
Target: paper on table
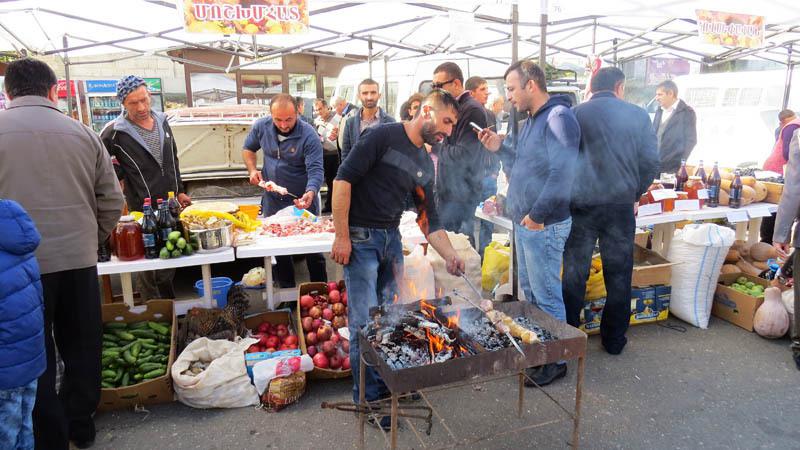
[687,205]
[661,194]
[759,211]
[649,209]
[737,216]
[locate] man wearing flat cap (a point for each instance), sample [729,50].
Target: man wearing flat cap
[145,158]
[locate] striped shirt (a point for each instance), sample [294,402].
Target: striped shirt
[153,140]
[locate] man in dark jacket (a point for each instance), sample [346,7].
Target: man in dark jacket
[22,354]
[459,177]
[145,158]
[675,124]
[541,173]
[368,116]
[59,171]
[618,160]
[292,159]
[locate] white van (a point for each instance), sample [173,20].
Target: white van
[414,75]
[737,113]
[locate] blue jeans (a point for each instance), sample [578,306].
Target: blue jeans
[487,228]
[16,407]
[376,262]
[539,255]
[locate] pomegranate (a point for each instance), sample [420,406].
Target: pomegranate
[323,305]
[312,338]
[345,363]
[344,298]
[335,296]
[283,332]
[292,346]
[327,314]
[324,333]
[339,322]
[316,324]
[332,286]
[273,341]
[339,309]
[307,323]
[263,339]
[264,327]
[336,338]
[335,362]
[329,348]
[306,301]
[312,350]
[270,350]
[315,312]
[320,360]
[303,312]
[290,340]
[345,346]
[253,349]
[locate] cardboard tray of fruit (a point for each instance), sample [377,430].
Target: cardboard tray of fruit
[277,336]
[321,310]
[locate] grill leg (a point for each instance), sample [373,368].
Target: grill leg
[362,399]
[394,420]
[578,392]
[521,393]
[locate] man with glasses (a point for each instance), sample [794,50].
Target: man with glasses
[460,157]
[368,116]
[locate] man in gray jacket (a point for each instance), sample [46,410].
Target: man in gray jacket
[59,171]
[787,214]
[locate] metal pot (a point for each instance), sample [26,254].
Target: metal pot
[213,240]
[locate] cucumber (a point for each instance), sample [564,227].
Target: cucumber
[110,354]
[106,385]
[154,373]
[138,376]
[129,358]
[150,346]
[108,373]
[127,346]
[110,337]
[149,367]
[145,360]
[118,376]
[136,348]
[144,334]
[126,379]
[146,352]
[116,325]
[160,329]
[124,335]
[107,360]
[138,325]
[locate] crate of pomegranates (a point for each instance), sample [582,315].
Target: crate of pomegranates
[321,312]
[276,334]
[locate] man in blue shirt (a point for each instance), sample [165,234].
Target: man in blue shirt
[292,159]
[388,163]
[368,116]
[542,171]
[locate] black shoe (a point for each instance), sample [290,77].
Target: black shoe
[532,372]
[796,356]
[382,422]
[616,348]
[82,433]
[404,398]
[547,374]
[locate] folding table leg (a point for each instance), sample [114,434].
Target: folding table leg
[268,286]
[127,288]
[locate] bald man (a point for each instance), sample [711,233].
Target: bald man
[292,159]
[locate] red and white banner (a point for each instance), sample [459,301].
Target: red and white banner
[245,17]
[730,29]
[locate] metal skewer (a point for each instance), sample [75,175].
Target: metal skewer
[508,334]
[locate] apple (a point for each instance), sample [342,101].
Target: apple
[282,332]
[335,338]
[339,309]
[264,327]
[270,350]
[315,312]
[263,339]
[316,324]
[324,333]
[345,346]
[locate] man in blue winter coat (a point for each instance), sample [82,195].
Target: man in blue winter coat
[22,355]
[541,174]
[292,159]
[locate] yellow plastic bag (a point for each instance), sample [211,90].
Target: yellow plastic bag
[595,285]
[496,259]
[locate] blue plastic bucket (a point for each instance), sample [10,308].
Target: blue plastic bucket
[219,289]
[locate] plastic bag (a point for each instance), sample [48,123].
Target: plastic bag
[418,281]
[698,251]
[595,285]
[266,371]
[224,384]
[284,391]
[496,260]
[446,283]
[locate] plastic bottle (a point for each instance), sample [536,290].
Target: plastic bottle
[166,223]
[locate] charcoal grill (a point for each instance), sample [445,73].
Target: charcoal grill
[570,343]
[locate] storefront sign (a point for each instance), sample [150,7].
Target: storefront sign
[660,69]
[110,86]
[256,17]
[729,29]
[153,84]
[62,88]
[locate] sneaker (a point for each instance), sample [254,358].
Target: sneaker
[547,374]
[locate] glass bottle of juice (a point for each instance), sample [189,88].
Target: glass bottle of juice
[681,177]
[713,184]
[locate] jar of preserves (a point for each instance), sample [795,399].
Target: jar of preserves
[128,239]
[696,189]
[656,185]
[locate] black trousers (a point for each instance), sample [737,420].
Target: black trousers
[768,228]
[331,165]
[614,226]
[72,316]
[283,271]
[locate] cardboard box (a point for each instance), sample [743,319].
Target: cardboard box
[774,192]
[650,268]
[734,306]
[322,289]
[281,316]
[648,305]
[157,390]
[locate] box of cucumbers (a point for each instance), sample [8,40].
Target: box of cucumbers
[137,356]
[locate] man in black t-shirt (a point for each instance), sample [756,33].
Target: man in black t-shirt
[369,196]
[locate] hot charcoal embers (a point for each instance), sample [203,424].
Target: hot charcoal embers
[489,338]
[541,333]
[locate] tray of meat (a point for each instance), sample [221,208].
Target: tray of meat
[298,228]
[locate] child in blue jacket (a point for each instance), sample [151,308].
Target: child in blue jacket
[22,354]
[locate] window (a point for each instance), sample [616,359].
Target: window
[730,96]
[702,97]
[346,92]
[262,84]
[328,85]
[210,88]
[750,97]
[391,99]
[303,85]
